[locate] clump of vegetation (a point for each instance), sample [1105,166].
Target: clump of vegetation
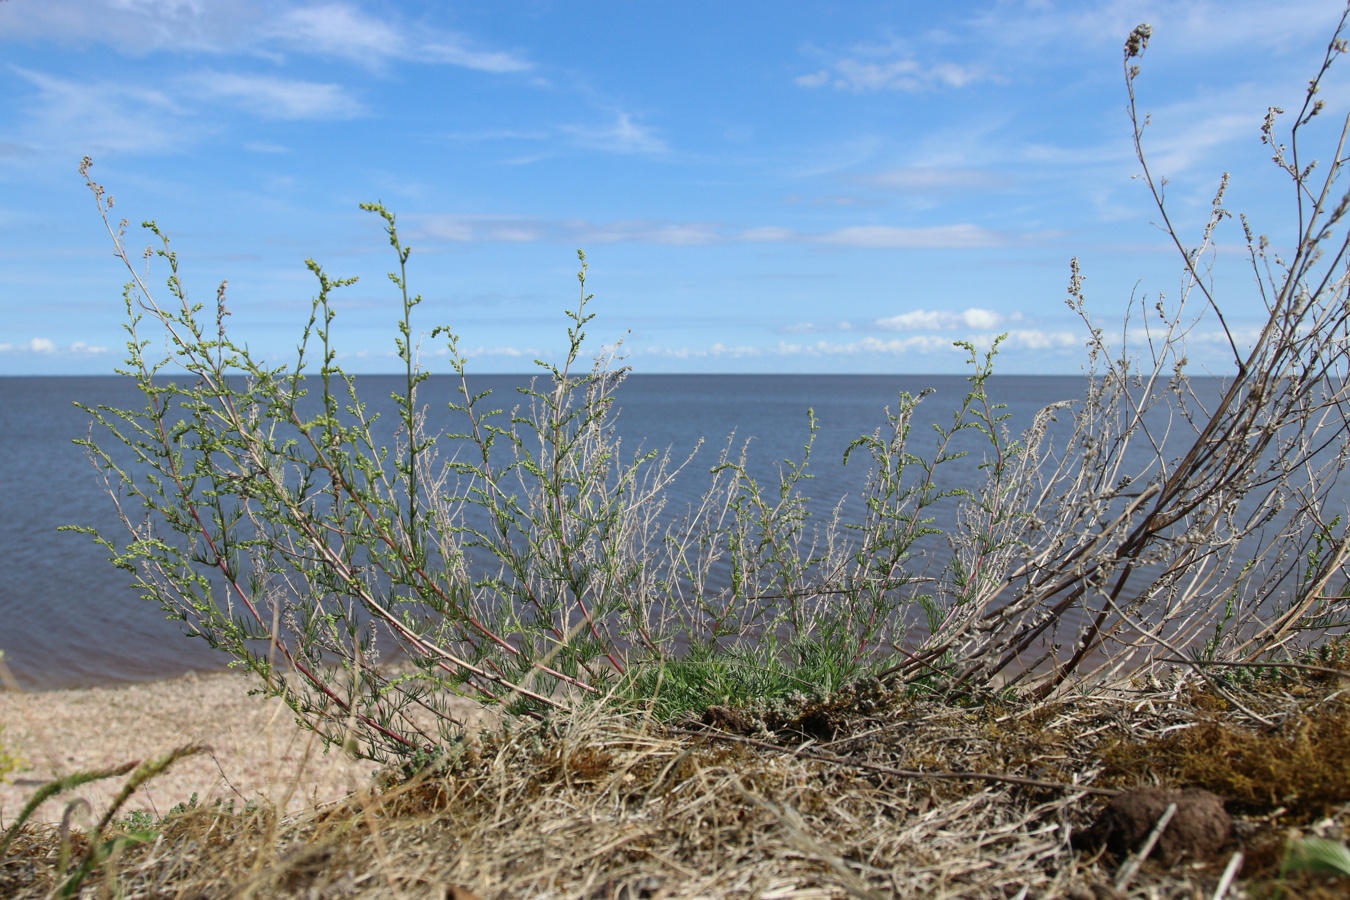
[1097,624]
[8,763]
[526,558]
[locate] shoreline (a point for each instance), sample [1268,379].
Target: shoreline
[257,751]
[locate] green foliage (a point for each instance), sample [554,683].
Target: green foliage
[8,762]
[521,556]
[1314,854]
[518,553]
[140,821]
[743,676]
[103,847]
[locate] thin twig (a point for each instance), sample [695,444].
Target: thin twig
[1229,873]
[1302,667]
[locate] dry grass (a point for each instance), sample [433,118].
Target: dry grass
[852,797]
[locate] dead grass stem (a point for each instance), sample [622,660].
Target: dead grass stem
[597,804]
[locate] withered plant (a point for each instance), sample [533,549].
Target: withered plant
[1182,519]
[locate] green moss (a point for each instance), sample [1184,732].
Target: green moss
[1303,765]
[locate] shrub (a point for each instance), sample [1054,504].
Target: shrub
[523,558]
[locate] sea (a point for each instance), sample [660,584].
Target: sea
[69,618]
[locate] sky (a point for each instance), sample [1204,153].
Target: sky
[793,186]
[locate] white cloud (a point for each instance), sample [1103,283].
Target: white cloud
[48,347]
[935,179]
[1020,339]
[110,116]
[718,350]
[135,27]
[1192,139]
[922,343]
[943,320]
[890,66]
[1037,339]
[265,147]
[769,233]
[1201,26]
[678,234]
[472,229]
[344,30]
[494,61]
[814,328]
[901,75]
[931,237]
[338,30]
[490,228]
[279,98]
[94,117]
[623,136]
[500,352]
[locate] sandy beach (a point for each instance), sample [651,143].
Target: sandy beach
[257,750]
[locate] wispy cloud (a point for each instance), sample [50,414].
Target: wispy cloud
[623,135]
[1204,27]
[769,234]
[1019,339]
[337,30]
[505,228]
[935,180]
[457,53]
[278,98]
[718,350]
[47,347]
[908,75]
[342,30]
[933,237]
[265,147]
[815,328]
[1181,134]
[944,320]
[890,66]
[477,229]
[137,27]
[326,29]
[687,234]
[93,117]
[115,116]
[923,343]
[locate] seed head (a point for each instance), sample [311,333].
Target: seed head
[1138,40]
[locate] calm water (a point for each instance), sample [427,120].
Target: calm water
[68,618]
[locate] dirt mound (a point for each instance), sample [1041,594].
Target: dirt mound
[1199,829]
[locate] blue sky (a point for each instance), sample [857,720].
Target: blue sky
[767,187]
